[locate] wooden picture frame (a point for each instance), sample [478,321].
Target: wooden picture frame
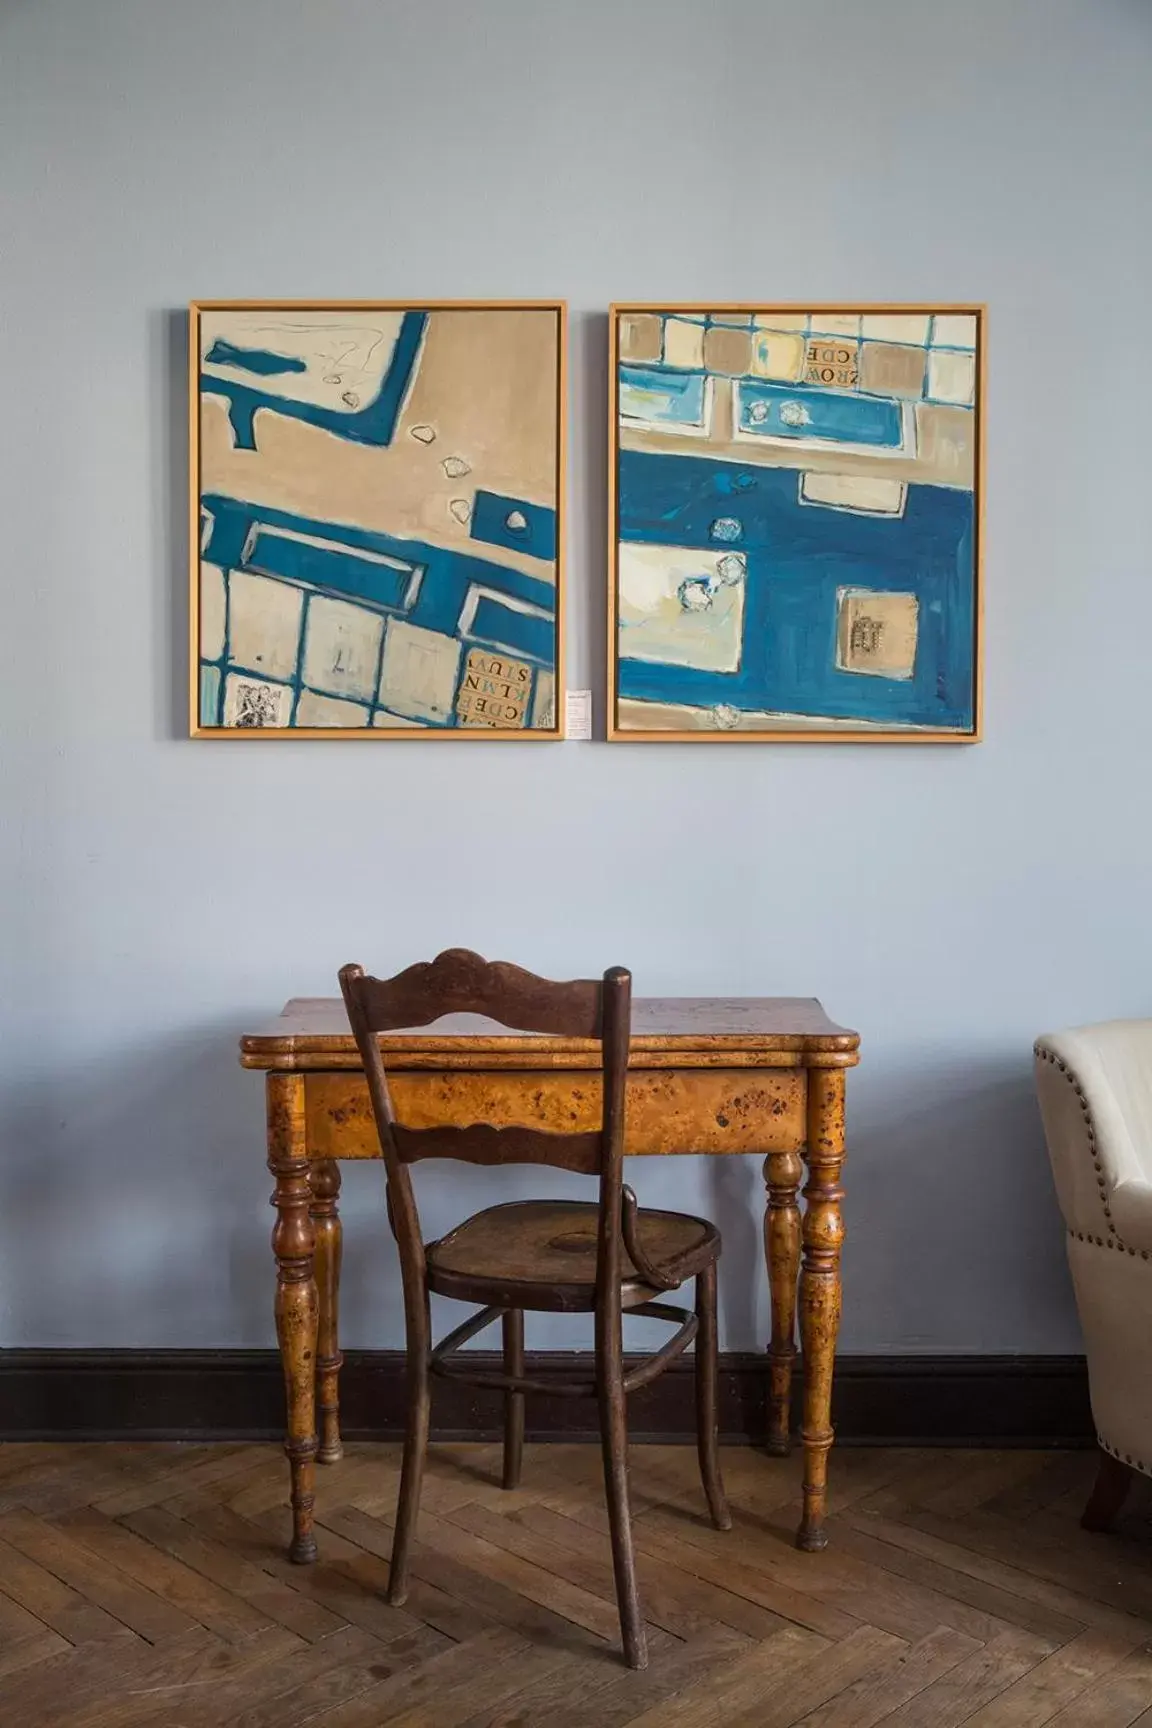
[795,522]
[377,516]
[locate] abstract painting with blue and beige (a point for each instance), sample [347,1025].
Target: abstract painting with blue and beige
[796,521]
[379,493]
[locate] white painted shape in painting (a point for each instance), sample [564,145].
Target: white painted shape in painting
[951,377]
[314,710]
[381,718]
[654,625]
[866,494]
[510,603]
[263,624]
[645,406]
[954,330]
[280,694]
[345,355]
[896,327]
[418,673]
[262,531]
[212,608]
[342,648]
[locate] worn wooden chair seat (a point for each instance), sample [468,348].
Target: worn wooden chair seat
[541,1254]
[553,1255]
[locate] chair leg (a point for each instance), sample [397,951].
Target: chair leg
[707,1369]
[614,1446]
[411,1472]
[513,1327]
[1113,1480]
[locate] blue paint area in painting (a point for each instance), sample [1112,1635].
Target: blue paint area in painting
[338,570]
[663,398]
[791,411]
[373,424]
[520,632]
[256,360]
[798,557]
[515,524]
[274,543]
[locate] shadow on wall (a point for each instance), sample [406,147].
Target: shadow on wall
[169,502]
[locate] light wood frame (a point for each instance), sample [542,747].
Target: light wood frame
[395,734]
[844,734]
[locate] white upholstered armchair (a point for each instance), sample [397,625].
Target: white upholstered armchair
[1095,1086]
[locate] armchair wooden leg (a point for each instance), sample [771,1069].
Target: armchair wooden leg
[1113,1480]
[513,1326]
[707,1368]
[614,1445]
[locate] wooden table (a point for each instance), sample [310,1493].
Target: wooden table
[753,1074]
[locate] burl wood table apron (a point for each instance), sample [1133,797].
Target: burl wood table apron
[752,1074]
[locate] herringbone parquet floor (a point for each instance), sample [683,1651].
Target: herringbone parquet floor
[145,1585]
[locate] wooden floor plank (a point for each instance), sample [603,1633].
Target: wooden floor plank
[591,1571]
[874,1697]
[729,1571]
[618,1694]
[957,1695]
[1054,1683]
[352,1581]
[711,1604]
[54,1602]
[271,1600]
[148,1587]
[949,1542]
[148,1615]
[229,1616]
[1001,1608]
[1122,1698]
[470,1583]
[419,1687]
[182,1676]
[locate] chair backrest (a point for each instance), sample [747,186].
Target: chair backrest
[460,982]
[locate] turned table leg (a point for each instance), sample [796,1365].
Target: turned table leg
[329,1234]
[293,1243]
[782,1174]
[823,1233]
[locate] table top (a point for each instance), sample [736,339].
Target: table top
[312,1032]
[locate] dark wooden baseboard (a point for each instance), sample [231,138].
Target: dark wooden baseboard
[238,1395]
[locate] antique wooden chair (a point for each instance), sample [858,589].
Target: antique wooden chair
[604,1258]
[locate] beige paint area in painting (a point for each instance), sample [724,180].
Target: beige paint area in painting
[481,413]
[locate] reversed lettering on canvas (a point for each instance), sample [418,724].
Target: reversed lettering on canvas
[832,361]
[494,690]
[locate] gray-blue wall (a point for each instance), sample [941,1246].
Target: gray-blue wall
[159,895]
